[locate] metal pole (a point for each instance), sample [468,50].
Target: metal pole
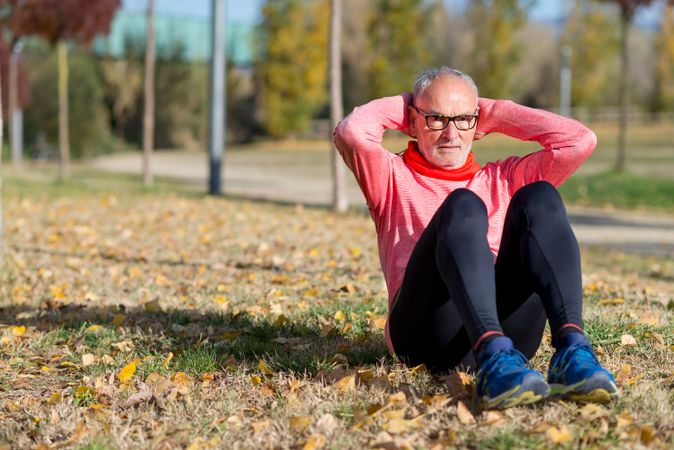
[217,114]
[565,83]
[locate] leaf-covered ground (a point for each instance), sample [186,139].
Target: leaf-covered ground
[173,321]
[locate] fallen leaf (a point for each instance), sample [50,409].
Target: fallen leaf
[152,306]
[647,434]
[464,414]
[492,417]
[168,359]
[127,372]
[611,301]
[315,442]
[340,316]
[299,423]
[592,411]
[255,380]
[558,435]
[264,368]
[260,426]
[627,340]
[54,398]
[18,330]
[88,359]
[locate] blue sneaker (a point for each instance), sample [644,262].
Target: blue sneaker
[504,379]
[575,372]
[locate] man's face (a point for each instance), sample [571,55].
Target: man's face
[448,96]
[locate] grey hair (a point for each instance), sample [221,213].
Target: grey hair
[425,78]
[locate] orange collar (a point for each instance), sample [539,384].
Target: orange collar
[416,161]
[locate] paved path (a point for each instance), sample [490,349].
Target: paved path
[304,177]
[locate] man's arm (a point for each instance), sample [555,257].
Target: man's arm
[566,142]
[358,138]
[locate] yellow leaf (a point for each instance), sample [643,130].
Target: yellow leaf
[400,426]
[379,322]
[627,340]
[118,319]
[84,391]
[647,434]
[592,411]
[347,328]
[326,330]
[127,372]
[19,330]
[54,398]
[168,359]
[421,368]
[625,419]
[264,368]
[94,328]
[340,316]
[655,336]
[152,307]
[611,301]
[260,425]
[161,280]
[255,380]
[180,378]
[346,383]
[315,442]
[45,369]
[558,435]
[280,321]
[299,423]
[355,252]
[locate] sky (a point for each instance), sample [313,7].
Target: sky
[248,11]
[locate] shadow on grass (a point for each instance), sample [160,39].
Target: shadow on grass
[204,341]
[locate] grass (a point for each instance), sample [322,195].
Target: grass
[620,190]
[258,325]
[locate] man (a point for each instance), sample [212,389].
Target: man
[477,258]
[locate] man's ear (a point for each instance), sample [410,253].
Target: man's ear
[413,121]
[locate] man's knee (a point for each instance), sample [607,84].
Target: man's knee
[540,199]
[463,206]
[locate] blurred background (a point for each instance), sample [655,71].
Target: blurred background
[607,63]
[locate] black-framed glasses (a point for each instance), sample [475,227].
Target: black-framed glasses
[439,122]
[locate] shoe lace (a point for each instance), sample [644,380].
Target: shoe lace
[581,355]
[503,359]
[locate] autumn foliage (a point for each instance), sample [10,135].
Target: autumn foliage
[54,20]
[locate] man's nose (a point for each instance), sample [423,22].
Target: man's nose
[451,131]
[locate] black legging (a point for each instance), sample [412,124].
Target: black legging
[453,292]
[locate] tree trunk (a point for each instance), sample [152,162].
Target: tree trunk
[624,91]
[12,95]
[2,237]
[64,137]
[340,202]
[148,118]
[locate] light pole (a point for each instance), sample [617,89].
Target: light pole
[216,141]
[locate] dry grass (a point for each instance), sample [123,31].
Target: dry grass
[253,325]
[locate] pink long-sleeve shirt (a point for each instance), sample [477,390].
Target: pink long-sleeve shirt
[403,201]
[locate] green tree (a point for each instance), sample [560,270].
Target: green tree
[497,50]
[292,63]
[663,91]
[593,40]
[88,115]
[397,45]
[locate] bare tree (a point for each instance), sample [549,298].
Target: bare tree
[2,237]
[148,118]
[627,10]
[340,201]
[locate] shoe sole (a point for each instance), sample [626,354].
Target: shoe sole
[597,389]
[532,389]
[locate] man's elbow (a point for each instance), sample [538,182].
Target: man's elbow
[587,141]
